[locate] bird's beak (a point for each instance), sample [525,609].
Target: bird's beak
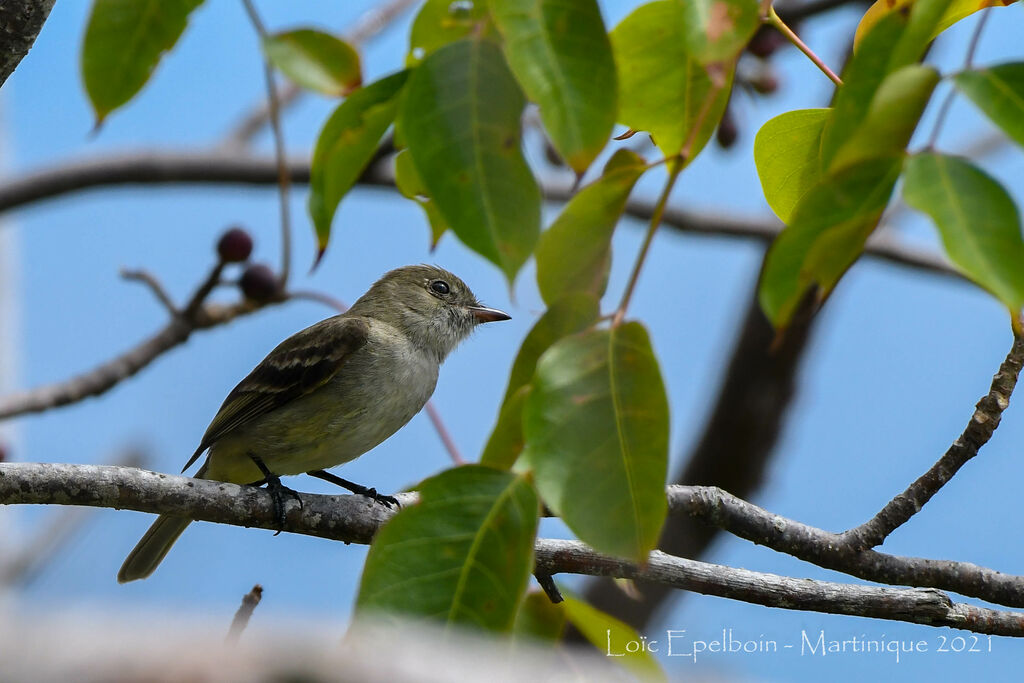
[482,314]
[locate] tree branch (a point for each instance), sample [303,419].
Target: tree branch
[20,23]
[354,519]
[917,605]
[196,316]
[979,430]
[714,506]
[220,167]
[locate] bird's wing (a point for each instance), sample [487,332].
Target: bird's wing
[299,364]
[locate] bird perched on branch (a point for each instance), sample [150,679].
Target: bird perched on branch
[331,392]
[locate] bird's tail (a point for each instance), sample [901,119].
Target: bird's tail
[150,551]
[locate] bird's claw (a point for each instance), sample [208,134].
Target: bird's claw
[389,501]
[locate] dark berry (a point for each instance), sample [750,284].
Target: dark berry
[259,282]
[727,130]
[234,246]
[765,42]
[765,82]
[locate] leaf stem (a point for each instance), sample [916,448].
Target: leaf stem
[283,178]
[659,210]
[940,120]
[678,162]
[773,18]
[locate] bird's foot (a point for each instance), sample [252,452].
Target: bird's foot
[277,491]
[357,489]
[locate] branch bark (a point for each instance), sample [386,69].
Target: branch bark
[354,519]
[20,24]
[226,167]
[983,423]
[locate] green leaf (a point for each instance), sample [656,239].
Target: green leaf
[569,315]
[412,187]
[560,53]
[955,11]
[575,253]
[609,635]
[124,41]
[977,219]
[596,427]
[539,619]
[893,43]
[462,555]
[891,117]
[460,117]
[346,146]
[506,440]
[662,87]
[315,60]
[825,236]
[717,30]
[442,22]
[999,92]
[787,152]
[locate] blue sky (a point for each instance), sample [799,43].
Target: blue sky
[900,357]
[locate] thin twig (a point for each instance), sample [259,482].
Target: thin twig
[652,229]
[368,25]
[349,518]
[249,602]
[148,279]
[979,430]
[776,21]
[283,178]
[940,120]
[547,584]
[107,375]
[676,166]
[442,431]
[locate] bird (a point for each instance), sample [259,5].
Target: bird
[330,393]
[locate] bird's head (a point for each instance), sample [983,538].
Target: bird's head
[432,307]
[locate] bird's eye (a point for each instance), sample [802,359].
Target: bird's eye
[440,287]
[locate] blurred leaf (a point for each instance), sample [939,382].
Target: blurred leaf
[662,87]
[441,22]
[462,555]
[539,619]
[977,219]
[574,313]
[893,43]
[460,116]
[717,30]
[560,53]
[787,152]
[412,187]
[124,41]
[346,146]
[609,635]
[575,253]
[825,236]
[954,12]
[315,60]
[506,441]
[596,427]
[999,92]
[891,117]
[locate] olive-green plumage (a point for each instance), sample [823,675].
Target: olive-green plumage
[333,391]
